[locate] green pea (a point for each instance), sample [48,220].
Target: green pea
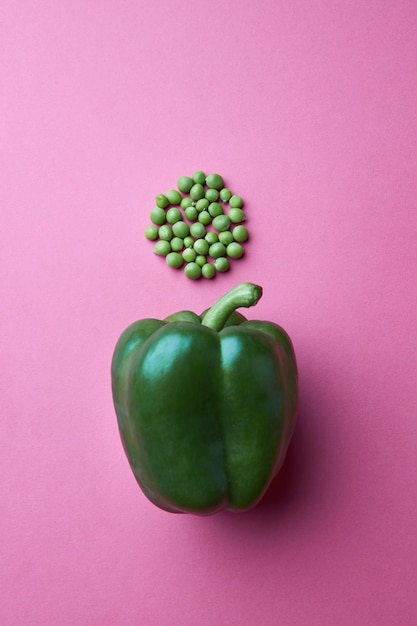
[215,181]
[197,191]
[225,194]
[180,229]
[221,223]
[162,248]
[161,201]
[198,230]
[185,183]
[236,216]
[201,246]
[215,209]
[189,255]
[235,250]
[236,202]
[193,271]
[177,244]
[201,260]
[208,270]
[226,237]
[211,237]
[188,242]
[240,234]
[222,264]
[173,215]
[191,213]
[158,216]
[212,195]
[187,202]
[217,250]
[173,259]
[199,177]
[174,197]
[165,232]
[151,233]
[202,204]
[204,217]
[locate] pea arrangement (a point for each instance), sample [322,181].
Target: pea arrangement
[199,226]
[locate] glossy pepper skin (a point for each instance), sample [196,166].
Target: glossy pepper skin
[206,405]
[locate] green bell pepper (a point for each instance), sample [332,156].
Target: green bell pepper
[206,405]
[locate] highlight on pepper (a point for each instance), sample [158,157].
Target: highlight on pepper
[206,405]
[202,208]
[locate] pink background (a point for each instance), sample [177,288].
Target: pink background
[308,109]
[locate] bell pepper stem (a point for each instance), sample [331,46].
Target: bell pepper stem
[243,295]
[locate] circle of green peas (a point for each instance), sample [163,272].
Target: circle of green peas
[198,226]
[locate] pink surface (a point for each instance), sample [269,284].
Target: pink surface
[308,109]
